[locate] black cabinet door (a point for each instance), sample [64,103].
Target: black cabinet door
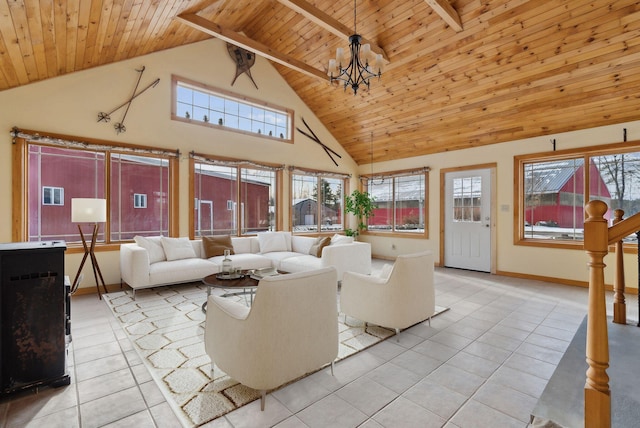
[32,316]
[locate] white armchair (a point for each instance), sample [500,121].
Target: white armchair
[290,330]
[403,295]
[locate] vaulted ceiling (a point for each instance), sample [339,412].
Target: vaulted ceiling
[460,73]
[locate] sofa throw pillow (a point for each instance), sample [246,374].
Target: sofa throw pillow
[272,241]
[178,248]
[341,239]
[153,245]
[215,245]
[316,249]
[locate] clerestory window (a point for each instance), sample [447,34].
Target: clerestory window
[203,105]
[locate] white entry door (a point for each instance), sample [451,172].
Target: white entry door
[467,214]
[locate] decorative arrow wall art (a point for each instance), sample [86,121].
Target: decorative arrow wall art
[119,126]
[315,138]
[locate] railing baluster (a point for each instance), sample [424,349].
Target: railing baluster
[619,305]
[638,241]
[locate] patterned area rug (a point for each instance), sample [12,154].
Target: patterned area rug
[166,327]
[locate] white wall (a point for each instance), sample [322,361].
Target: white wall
[70,105]
[542,262]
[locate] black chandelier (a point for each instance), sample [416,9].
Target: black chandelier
[355,73]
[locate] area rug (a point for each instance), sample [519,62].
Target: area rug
[166,327]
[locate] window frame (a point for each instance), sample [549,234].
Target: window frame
[242,100]
[319,175]
[394,232]
[239,164]
[23,138]
[585,153]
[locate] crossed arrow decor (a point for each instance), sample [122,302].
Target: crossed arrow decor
[119,126]
[315,138]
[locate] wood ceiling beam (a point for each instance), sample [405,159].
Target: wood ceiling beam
[325,21]
[230,36]
[447,13]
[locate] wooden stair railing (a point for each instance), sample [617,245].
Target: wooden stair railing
[619,304]
[597,238]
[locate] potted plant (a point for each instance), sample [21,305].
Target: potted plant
[360,204]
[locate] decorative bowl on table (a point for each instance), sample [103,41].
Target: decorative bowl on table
[230,275]
[261,273]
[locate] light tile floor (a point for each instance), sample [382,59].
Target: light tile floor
[483,363]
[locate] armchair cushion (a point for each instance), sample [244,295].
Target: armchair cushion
[386,271]
[233,309]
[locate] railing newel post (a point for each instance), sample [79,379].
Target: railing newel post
[597,395]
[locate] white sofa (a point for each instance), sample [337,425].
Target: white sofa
[142,267]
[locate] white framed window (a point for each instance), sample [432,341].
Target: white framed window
[139,200]
[52,195]
[555,186]
[317,201]
[401,202]
[234,197]
[203,105]
[93,170]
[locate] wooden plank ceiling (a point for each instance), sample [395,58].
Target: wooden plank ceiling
[503,70]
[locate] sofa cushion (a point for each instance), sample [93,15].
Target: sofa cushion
[245,244]
[274,241]
[177,248]
[300,263]
[302,244]
[277,256]
[316,249]
[153,245]
[177,271]
[215,245]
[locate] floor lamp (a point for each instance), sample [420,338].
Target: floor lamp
[89,210]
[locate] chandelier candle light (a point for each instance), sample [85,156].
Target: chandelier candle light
[355,73]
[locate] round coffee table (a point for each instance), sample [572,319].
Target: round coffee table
[235,286]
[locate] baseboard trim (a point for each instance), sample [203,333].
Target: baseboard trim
[571,282]
[92,289]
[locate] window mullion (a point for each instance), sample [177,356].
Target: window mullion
[107,195]
[319,201]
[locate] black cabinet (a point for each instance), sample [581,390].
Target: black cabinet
[34,315]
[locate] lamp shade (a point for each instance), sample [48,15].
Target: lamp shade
[88,210]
